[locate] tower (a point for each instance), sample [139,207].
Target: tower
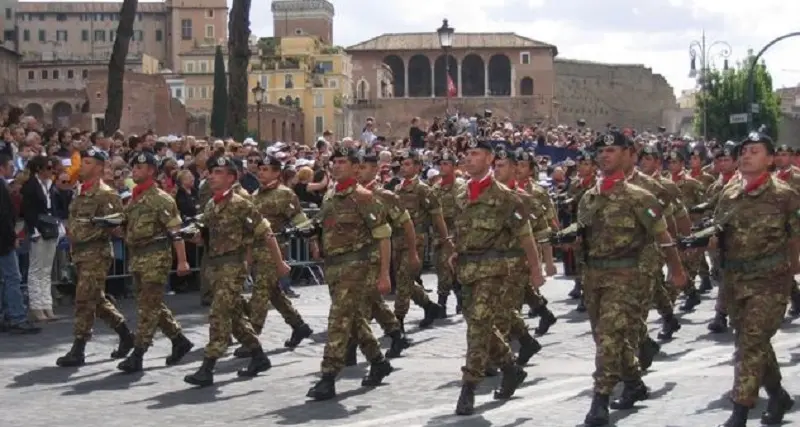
[303,17]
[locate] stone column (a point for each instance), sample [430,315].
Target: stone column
[405,76]
[433,79]
[486,78]
[513,80]
[460,78]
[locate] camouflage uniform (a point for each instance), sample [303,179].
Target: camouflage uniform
[421,203]
[91,253]
[281,207]
[692,194]
[538,196]
[759,222]
[206,293]
[791,176]
[353,224]
[576,191]
[445,191]
[150,215]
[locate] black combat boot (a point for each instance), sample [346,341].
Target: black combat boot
[259,362]
[546,320]
[134,362]
[125,342]
[401,321]
[490,372]
[634,391]
[75,357]
[669,327]
[443,303]
[577,290]
[299,333]
[778,405]
[204,376]
[598,412]
[466,400]
[692,300]
[581,307]
[705,285]
[324,389]
[181,346]
[242,352]
[399,343]
[528,347]
[648,351]
[738,417]
[350,356]
[378,370]
[459,301]
[513,376]
[720,323]
[794,310]
[431,313]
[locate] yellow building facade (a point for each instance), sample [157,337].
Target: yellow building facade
[302,72]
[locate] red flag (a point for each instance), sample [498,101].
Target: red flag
[452,90]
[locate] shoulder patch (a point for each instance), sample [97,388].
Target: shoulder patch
[517,215]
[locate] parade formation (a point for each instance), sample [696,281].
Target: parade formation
[645,223]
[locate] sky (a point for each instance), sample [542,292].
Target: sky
[655,33]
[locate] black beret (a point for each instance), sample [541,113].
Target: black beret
[144,158]
[784,148]
[677,155]
[728,149]
[221,162]
[612,138]
[368,156]
[584,155]
[758,138]
[480,143]
[503,154]
[350,153]
[650,150]
[95,154]
[447,156]
[524,156]
[410,154]
[271,161]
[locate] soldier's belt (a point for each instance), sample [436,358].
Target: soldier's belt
[161,245]
[362,254]
[421,228]
[222,259]
[754,265]
[90,244]
[491,254]
[610,264]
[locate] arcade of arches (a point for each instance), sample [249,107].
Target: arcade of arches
[472,76]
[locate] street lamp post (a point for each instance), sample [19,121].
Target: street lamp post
[751,90]
[445,33]
[258,95]
[704,52]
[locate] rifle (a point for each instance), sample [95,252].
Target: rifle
[701,208]
[108,221]
[702,224]
[567,235]
[701,238]
[305,230]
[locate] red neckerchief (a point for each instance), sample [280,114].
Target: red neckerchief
[696,172]
[141,188]
[219,196]
[607,183]
[677,177]
[407,182]
[512,184]
[757,183]
[785,174]
[476,187]
[447,180]
[271,186]
[371,185]
[88,185]
[345,185]
[726,177]
[587,182]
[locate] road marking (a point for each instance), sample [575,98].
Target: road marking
[716,354]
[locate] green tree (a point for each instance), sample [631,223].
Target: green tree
[238,59]
[726,93]
[219,110]
[116,66]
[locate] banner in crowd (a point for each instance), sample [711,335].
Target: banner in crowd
[556,154]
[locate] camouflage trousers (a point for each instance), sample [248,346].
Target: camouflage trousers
[756,318]
[351,285]
[266,290]
[407,289]
[381,312]
[664,294]
[228,309]
[509,321]
[483,312]
[206,291]
[616,301]
[444,274]
[149,275]
[90,298]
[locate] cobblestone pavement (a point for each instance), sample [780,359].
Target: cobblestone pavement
[689,381]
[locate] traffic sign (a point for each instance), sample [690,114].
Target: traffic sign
[738,118]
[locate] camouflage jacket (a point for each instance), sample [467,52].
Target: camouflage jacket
[149,218]
[540,195]
[675,195]
[397,216]
[757,229]
[655,188]
[203,193]
[705,178]
[352,220]
[280,206]
[90,243]
[536,214]
[577,188]
[422,204]
[620,224]
[790,176]
[446,195]
[691,190]
[486,230]
[233,224]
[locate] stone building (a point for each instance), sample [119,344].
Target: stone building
[9,64]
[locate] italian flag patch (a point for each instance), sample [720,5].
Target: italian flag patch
[651,212]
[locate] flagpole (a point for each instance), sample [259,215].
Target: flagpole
[447,79]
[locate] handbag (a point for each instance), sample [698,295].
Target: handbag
[47,226]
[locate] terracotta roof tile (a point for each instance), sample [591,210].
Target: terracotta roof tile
[430,41]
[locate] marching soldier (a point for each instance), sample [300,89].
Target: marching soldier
[490,216]
[92,256]
[279,205]
[790,174]
[424,208]
[230,225]
[697,159]
[760,216]
[357,248]
[587,178]
[621,220]
[151,232]
[446,190]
